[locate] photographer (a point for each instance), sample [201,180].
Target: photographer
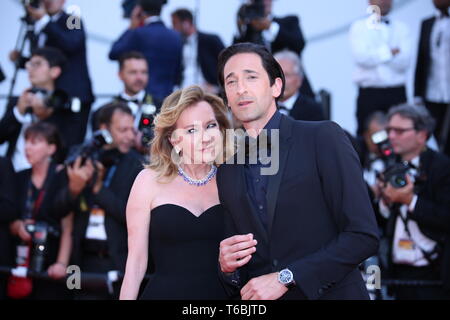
[97,192]
[257,24]
[35,192]
[53,27]
[416,203]
[41,102]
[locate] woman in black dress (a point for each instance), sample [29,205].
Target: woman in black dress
[174,217]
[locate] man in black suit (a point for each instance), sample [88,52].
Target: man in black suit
[417,215]
[8,213]
[275,33]
[97,193]
[44,67]
[299,228]
[432,80]
[53,27]
[200,52]
[293,103]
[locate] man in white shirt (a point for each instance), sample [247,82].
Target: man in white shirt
[432,78]
[44,67]
[418,213]
[200,52]
[381,48]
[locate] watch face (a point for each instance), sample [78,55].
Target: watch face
[285,276]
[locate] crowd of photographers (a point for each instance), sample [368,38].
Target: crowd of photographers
[63,198]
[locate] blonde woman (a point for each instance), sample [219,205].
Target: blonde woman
[173,212]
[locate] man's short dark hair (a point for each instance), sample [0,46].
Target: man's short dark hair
[152,7]
[130,55]
[54,56]
[184,15]
[419,115]
[269,63]
[106,113]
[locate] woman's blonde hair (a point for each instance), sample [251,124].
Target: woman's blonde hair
[165,122]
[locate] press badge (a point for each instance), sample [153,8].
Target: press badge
[96,227]
[405,251]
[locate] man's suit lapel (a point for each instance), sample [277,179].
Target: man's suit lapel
[275,180]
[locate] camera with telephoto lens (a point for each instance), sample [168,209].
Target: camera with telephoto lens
[146,123]
[91,149]
[253,11]
[57,99]
[40,231]
[395,169]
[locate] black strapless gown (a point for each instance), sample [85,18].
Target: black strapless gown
[184,250]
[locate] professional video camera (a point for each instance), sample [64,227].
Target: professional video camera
[395,169]
[58,99]
[252,11]
[40,232]
[146,123]
[91,149]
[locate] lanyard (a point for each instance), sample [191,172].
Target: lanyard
[32,206]
[110,176]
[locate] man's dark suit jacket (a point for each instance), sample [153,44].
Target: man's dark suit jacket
[306,109]
[423,58]
[8,211]
[432,211]
[162,48]
[209,48]
[75,78]
[320,221]
[113,200]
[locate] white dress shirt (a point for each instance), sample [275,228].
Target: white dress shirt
[135,108]
[372,46]
[41,24]
[438,82]
[19,160]
[192,73]
[289,104]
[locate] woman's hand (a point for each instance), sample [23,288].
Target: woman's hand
[57,270]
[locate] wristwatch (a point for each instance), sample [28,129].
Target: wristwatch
[286,278]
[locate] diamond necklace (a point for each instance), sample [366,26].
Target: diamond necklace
[200,182]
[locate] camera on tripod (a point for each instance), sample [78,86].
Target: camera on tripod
[252,11]
[146,123]
[91,149]
[57,99]
[40,231]
[395,169]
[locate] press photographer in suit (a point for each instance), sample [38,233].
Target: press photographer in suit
[53,27]
[415,201]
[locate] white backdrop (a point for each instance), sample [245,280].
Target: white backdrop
[324,23]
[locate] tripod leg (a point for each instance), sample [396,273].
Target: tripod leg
[20,45]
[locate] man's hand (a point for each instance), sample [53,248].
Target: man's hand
[57,271]
[17,228]
[79,176]
[265,287]
[24,101]
[100,176]
[261,24]
[36,13]
[403,195]
[235,252]
[39,108]
[14,56]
